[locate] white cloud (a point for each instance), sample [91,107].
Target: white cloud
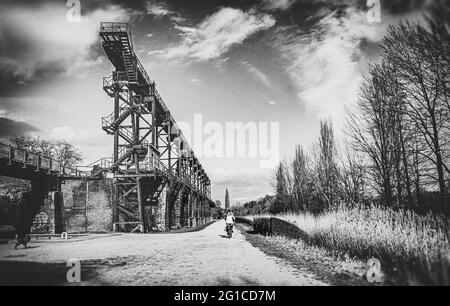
[52,40]
[272,102]
[241,186]
[327,65]
[221,62]
[158,9]
[258,74]
[196,81]
[178,19]
[155,52]
[217,33]
[62,133]
[25,108]
[93,144]
[281,5]
[85,137]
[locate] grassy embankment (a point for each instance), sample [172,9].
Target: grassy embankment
[417,247]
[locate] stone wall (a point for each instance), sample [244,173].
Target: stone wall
[96,195]
[160,211]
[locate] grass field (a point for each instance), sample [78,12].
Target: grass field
[415,246]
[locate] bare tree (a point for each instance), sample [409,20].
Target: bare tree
[371,127]
[62,151]
[352,178]
[325,165]
[301,179]
[417,54]
[281,202]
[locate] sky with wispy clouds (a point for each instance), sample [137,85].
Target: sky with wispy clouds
[288,61]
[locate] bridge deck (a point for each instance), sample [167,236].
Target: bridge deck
[22,164]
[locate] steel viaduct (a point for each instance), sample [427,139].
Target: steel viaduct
[150,154]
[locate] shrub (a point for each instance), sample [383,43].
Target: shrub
[416,245]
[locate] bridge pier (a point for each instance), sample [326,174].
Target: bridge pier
[33,201]
[197,211]
[183,206]
[58,203]
[193,210]
[188,210]
[177,209]
[202,212]
[168,208]
[192,215]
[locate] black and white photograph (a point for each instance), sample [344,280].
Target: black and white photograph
[224,150]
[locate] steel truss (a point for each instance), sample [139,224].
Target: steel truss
[150,154]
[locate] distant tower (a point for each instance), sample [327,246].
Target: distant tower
[227,199]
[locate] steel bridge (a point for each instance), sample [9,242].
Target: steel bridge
[151,157]
[45,175]
[153,167]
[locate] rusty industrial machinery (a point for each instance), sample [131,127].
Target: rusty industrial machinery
[155,171]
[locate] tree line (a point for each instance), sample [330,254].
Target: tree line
[397,148]
[62,151]
[12,190]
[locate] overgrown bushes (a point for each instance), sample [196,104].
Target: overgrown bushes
[416,246]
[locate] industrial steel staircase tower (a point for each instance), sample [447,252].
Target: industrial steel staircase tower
[152,160]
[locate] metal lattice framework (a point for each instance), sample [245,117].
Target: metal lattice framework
[151,154]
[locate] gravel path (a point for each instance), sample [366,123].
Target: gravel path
[205,257]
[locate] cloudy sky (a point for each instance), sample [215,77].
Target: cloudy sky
[288,61]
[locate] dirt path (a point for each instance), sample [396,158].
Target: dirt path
[205,257]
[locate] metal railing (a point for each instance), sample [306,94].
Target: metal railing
[115,27]
[13,154]
[51,166]
[103,163]
[141,69]
[126,134]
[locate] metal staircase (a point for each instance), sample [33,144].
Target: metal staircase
[143,170]
[160,184]
[124,154]
[129,59]
[110,124]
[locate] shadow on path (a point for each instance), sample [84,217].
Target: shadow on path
[302,261]
[241,281]
[19,273]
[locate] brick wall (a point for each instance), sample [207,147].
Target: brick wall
[97,195]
